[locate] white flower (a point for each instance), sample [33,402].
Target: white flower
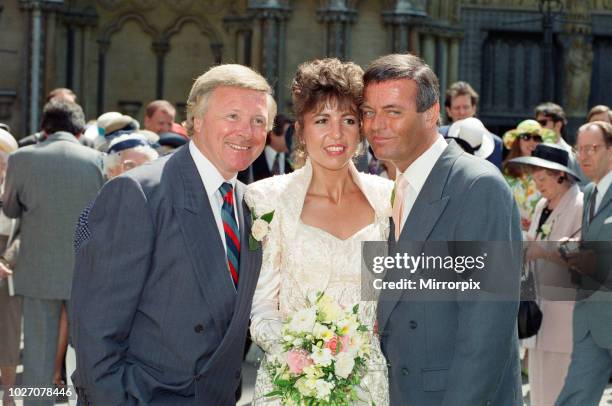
[297,342]
[322,356]
[322,333]
[546,229]
[344,364]
[303,321]
[347,326]
[330,311]
[260,229]
[306,386]
[323,389]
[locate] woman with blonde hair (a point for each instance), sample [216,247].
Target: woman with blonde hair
[325,207]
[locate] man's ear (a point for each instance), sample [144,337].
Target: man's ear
[448,112]
[197,122]
[432,115]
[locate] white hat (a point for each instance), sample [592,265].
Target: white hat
[8,143]
[113,121]
[472,132]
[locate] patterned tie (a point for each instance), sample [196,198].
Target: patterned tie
[232,237]
[276,165]
[398,204]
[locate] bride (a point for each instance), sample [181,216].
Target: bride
[322,213]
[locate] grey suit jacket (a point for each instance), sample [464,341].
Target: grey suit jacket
[47,187]
[455,352]
[157,319]
[593,310]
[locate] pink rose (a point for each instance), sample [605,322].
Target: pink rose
[297,361]
[333,344]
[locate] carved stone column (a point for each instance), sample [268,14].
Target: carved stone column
[77,22]
[102,50]
[160,48]
[337,15]
[453,63]
[271,15]
[403,17]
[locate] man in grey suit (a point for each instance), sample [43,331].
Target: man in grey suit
[163,286]
[591,364]
[47,186]
[452,352]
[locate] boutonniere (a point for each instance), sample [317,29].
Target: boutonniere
[259,229]
[545,230]
[393,195]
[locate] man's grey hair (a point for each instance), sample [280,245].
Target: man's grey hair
[406,66]
[225,75]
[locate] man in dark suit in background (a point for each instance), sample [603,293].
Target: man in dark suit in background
[275,158]
[163,286]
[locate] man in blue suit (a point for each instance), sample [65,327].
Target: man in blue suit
[461,102]
[591,364]
[163,287]
[453,352]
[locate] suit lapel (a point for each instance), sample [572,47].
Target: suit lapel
[203,243]
[600,215]
[424,215]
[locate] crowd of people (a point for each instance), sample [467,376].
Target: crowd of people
[102,220]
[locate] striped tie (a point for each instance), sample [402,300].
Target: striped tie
[232,239]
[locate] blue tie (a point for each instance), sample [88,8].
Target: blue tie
[230,226]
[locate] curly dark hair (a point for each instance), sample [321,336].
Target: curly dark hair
[321,81]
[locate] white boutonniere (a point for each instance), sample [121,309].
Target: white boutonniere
[545,230]
[259,229]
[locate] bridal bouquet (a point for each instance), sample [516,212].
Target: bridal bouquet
[326,348]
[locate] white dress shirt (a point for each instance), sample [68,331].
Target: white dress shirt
[270,155]
[602,188]
[212,180]
[416,174]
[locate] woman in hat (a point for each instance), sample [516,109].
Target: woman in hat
[521,142]
[557,216]
[10,306]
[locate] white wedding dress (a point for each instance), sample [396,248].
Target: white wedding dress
[299,260]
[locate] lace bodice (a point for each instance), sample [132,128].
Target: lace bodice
[299,259]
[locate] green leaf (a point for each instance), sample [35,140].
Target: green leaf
[393,196]
[362,328]
[277,392]
[253,243]
[356,308]
[268,217]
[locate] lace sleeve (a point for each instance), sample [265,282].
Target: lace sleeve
[266,319]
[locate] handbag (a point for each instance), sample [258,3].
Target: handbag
[529,317]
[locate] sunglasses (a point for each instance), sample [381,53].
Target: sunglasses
[529,137]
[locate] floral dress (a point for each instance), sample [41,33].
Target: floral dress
[526,196]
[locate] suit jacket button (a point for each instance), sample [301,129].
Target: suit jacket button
[413,324]
[199,328]
[198,377]
[405,371]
